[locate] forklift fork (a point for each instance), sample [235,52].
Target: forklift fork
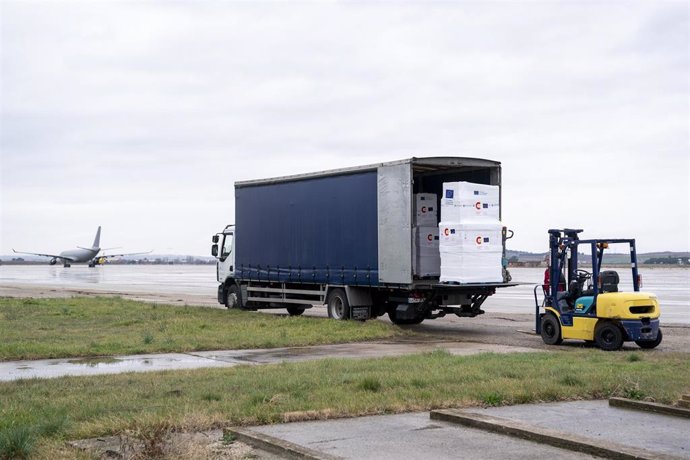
[537,316]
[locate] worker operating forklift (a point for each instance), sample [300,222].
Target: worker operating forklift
[592,308]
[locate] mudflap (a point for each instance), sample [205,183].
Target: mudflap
[360,313]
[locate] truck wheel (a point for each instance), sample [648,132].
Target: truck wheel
[551,330]
[338,306]
[295,311]
[608,336]
[649,344]
[400,321]
[232,297]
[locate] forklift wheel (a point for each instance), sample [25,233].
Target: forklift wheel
[551,330]
[608,336]
[649,344]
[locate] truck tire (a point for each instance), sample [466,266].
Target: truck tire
[649,344]
[551,330]
[608,336]
[401,322]
[295,311]
[338,306]
[232,297]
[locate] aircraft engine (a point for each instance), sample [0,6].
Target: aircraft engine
[53,261]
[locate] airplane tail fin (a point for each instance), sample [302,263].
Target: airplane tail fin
[97,241]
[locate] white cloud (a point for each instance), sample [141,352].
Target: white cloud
[139,116]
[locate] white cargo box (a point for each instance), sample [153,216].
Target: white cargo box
[471,252]
[468,267]
[466,201]
[471,236]
[426,255]
[425,209]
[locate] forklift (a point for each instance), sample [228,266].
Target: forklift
[584,305]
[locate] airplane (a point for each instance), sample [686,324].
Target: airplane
[82,255]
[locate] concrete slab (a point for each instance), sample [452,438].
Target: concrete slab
[277,446]
[677,411]
[51,368]
[570,441]
[597,420]
[409,436]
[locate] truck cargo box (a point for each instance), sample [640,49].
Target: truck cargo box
[352,226]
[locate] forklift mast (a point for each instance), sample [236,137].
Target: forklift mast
[564,242]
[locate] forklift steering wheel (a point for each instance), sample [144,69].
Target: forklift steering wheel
[583,274]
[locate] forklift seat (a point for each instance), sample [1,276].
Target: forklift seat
[608,281]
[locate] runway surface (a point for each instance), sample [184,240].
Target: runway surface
[196,285]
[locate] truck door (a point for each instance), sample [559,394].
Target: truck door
[226,258]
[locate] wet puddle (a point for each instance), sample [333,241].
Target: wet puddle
[99,365]
[94,361]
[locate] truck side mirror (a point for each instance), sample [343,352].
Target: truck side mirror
[214,250]
[214,239]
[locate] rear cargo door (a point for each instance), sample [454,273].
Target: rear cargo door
[394,196]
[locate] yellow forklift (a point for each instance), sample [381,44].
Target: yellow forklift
[586,305]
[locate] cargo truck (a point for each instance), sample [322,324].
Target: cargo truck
[345,238]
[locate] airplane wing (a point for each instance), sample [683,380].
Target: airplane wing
[107,256]
[44,255]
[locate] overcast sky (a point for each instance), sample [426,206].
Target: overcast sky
[139,116]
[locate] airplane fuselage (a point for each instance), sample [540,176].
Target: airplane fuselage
[80,255]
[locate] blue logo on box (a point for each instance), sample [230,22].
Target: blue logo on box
[476,192]
[449,194]
[452,231]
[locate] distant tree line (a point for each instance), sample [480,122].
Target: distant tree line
[668,261]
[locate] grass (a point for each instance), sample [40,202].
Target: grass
[102,326]
[17,442]
[185,400]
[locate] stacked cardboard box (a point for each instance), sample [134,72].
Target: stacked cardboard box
[425,209]
[426,258]
[470,234]
[471,252]
[468,202]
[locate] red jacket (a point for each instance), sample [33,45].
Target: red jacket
[547,281]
